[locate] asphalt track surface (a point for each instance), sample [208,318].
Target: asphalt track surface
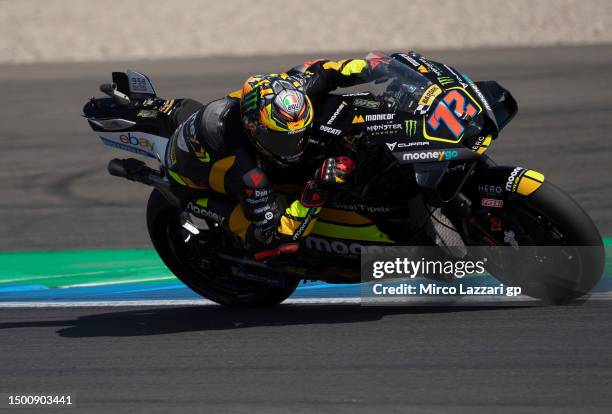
[312,359]
[295,358]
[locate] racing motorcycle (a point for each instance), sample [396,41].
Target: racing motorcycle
[419,135]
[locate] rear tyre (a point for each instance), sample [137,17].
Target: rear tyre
[196,265]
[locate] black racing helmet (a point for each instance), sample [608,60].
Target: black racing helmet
[277,115]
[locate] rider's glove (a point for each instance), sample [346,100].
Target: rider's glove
[313,195]
[334,172]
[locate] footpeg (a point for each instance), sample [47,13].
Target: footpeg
[132,169]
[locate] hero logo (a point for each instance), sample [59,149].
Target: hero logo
[379,117]
[335,246]
[489,189]
[513,178]
[431,155]
[478,143]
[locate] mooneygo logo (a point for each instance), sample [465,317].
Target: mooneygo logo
[431,155]
[512,182]
[335,246]
[201,210]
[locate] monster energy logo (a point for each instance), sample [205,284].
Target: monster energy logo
[411,128]
[444,80]
[250,101]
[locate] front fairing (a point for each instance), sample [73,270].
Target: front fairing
[434,106]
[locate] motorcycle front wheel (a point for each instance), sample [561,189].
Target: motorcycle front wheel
[555,250]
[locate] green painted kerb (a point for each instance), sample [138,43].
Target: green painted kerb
[66,268]
[83,267]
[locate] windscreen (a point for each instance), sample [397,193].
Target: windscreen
[394,79]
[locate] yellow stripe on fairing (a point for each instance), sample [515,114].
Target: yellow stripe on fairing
[368,233]
[343,217]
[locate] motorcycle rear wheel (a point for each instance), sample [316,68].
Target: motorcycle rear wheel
[206,275]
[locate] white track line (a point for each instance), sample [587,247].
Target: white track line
[205,302]
[170,302]
[97,272]
[118,282]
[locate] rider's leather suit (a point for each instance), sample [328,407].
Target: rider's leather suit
[212,163]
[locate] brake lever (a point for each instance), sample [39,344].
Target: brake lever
[110,89]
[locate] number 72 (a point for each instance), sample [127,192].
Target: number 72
[444,114]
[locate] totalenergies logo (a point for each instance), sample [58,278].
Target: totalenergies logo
[135,141]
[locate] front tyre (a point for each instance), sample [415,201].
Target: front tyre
[201,270]
[555,232]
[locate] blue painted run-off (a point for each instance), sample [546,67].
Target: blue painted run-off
[176,290]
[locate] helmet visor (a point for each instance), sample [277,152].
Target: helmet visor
[286,146]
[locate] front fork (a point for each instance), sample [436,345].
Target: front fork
[480,206]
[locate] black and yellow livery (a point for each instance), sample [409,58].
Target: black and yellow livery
[399,174]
